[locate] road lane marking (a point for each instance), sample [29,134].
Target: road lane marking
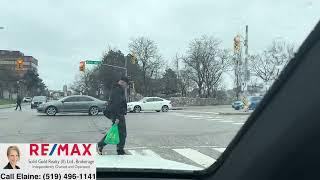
[241,123]
[190,116]
[133,152]
[149,152]
[196,156]
[220,149]
[218,120]
[215,119]
[226,121]
[206,112]
[194,116]
[136,148]
[199,118]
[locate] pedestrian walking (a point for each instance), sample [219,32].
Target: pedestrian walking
[118,109]
[19,100]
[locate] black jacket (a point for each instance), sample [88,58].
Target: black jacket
[8,166]
[19,100]
[118,102]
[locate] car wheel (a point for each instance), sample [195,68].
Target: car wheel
[93,111]
[51,111]
[137,109]
[165,108]
[157,111]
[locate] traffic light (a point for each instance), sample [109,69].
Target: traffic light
[19,64]
[133,58]
[82,66]
[237,44]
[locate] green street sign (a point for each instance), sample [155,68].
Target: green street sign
[92,62]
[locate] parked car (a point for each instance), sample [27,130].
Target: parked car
[37,100]
[73,104]
[254,101]
[150,104]
[27,99]
[237,105]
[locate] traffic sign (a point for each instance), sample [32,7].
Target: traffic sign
[92,62]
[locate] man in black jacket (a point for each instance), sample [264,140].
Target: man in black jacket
[19,100]
[118,108]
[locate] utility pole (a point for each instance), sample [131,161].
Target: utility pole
[246,44]
[246,73]
[126,74]
[238,65]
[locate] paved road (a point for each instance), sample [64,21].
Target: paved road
[194,136]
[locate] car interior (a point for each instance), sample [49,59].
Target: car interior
[280,140]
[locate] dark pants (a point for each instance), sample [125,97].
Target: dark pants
[122,133]
[18,105]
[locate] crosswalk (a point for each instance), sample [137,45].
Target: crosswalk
[238,120]
[201,156]
[196,156]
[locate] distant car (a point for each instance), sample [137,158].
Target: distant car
[73,104]
[27,99]
[254,101]
[237,105]
[150,104]
[37,100]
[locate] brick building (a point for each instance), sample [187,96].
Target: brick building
[8,72]
[8,61]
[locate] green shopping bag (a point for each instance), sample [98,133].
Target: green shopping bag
[112,135]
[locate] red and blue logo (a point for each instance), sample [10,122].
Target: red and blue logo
[60,149]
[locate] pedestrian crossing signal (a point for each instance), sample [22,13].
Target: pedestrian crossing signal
[82,66]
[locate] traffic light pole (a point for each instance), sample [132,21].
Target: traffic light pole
[247,75]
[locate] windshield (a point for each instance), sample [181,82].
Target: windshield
[143,99]
[206,64]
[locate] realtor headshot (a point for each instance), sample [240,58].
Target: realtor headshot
[13,154]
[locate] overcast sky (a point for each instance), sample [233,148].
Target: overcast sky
[61,33]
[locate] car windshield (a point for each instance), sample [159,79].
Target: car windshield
[143,99]
[210,61]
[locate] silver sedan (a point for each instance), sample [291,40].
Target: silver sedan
[78,104]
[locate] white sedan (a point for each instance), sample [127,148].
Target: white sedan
[150,104]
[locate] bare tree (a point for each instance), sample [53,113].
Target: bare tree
[268,65]
[217,65]
[206,61]
[185,82]
[146,53]
[82,84]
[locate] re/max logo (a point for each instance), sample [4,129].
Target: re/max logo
[60,149]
